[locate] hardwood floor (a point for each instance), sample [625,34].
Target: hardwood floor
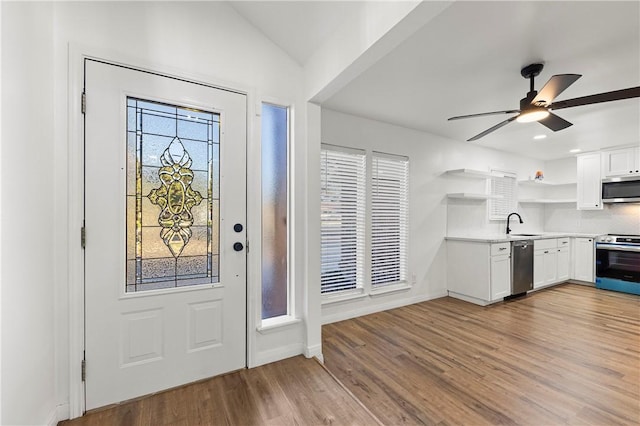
[295,391]
[565,355]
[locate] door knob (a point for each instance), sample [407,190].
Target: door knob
[238,246]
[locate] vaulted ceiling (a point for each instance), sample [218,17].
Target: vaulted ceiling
[467,60]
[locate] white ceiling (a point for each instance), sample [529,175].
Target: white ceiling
[468,59]
[297,27]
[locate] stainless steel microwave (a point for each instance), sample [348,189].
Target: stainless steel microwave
[624,189]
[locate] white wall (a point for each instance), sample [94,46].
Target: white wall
[612,219]
[429,157]
[205,41]
[360,42]
[28,222]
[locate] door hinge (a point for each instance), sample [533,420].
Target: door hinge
[83,103]
[247,246]
[83,369]
[83,236]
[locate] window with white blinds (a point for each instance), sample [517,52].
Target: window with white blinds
[389,219]
[503,185]
[342,218]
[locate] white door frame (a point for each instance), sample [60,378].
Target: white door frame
[75,186]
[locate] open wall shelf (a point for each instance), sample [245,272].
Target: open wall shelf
[470,173]
[548,201]
[543,183]
[472,196]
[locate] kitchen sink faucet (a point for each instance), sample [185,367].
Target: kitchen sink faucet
[509,217]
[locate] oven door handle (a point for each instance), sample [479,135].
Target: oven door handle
[618,247]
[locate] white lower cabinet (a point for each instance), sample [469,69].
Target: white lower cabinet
[563,264]
[538,268]
[551,261]
[500,276]
[583,259]
[545,267]
[478,272]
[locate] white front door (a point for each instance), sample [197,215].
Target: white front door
[165,214]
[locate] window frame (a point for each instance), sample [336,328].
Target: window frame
[267,324]
[497,197]
[368,289]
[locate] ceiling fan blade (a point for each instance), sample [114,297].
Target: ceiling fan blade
[555,123]
[616,95]
[482,114]
[492,129]
[556,85]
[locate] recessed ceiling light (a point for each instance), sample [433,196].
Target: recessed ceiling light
[540,136]
[575,150]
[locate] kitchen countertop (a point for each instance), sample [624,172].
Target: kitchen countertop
[502,238]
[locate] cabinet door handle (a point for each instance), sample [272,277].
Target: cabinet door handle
[502,248]
[547,251]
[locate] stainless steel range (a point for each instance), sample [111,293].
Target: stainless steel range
[618,263]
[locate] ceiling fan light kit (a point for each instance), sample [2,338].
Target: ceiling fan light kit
[536,106]
[532,114]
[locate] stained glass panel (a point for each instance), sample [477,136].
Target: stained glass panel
[172,196]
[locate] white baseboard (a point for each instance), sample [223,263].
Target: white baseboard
[52,418]
[63,412]
[586,283]
[469,299]
[379,307]
[277,354]
[57,414]
[314,351]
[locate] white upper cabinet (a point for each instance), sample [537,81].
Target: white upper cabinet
[621,162]
[589,182]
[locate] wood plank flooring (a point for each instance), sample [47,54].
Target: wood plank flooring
[569,354]
[295,391]
[566,355]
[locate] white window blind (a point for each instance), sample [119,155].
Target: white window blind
[389,219]
[342,218]
[503,185]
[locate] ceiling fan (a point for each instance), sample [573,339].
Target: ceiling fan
[537,106]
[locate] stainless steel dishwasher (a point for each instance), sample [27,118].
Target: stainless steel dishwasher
[521,266]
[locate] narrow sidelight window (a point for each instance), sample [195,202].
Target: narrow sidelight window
[275,210]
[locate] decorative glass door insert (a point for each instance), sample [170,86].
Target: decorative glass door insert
[173,202]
